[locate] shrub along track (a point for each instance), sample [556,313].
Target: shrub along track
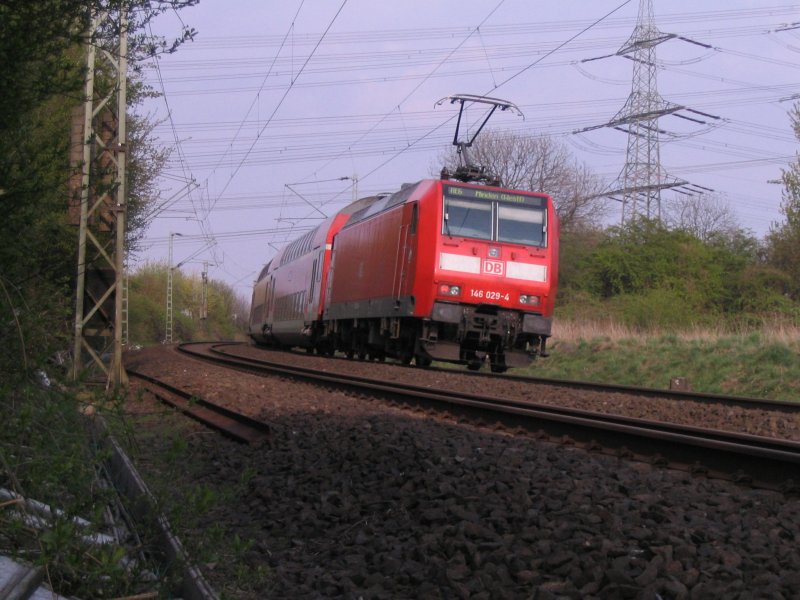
[356,497]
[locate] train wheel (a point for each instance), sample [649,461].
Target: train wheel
[473,362]
[499,364]
[497,360]
[406,353]
[422,361]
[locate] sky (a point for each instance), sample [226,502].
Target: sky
[278,110]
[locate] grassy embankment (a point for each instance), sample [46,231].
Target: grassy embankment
[762,363]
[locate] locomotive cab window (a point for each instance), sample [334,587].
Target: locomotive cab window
[520,225]
[468,218]
[494,216]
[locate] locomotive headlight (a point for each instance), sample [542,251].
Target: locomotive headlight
[445,289]
[528,299]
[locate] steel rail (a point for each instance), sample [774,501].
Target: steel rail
[232,424]
[787,406]
[764,462]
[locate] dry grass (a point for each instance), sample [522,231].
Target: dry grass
[772,330]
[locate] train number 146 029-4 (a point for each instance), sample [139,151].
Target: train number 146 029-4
[489,295]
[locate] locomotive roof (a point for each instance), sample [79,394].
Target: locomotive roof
[366,207]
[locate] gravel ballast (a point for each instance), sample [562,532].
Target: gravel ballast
[352,499]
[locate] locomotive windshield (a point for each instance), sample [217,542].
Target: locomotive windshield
[468,218]
[494,216]
[520,225]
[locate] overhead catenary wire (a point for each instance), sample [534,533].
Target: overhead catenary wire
[212,203]
[281,101]
[403,127]
[443,123]
[263,81]
[693,19]
[208,235]
[413,90]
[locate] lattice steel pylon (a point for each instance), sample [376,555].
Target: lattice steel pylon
[643,177]
[103,206]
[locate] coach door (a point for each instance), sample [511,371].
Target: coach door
[314,291]
[405,259]
[269,301]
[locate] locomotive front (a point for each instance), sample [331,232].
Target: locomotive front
[494,276]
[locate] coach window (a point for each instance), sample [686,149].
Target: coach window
[467,218]
[414,218]
[520,225]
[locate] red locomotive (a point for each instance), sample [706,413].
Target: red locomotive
[440,270]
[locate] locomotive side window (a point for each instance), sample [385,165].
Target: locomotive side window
[520,225]
[468,218]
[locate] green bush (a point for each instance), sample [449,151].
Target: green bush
[44,456]
[647,276]
[657,308]
[226,315]
[580,305]
[147,320]
[764,289]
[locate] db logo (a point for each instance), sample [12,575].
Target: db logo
[493,267]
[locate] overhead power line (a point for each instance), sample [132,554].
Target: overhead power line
[280,102]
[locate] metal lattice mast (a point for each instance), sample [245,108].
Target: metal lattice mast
[170,274]
[643,177]
[168,333]
[639,185]
[125,290]
[103,205]
[204,296]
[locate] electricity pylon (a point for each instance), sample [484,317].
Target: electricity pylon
[643,178]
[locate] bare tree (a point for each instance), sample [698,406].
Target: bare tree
[539,164]
[706,216]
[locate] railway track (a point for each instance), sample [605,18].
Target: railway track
[780,406]
[760,461]
[230,423]
[772,406]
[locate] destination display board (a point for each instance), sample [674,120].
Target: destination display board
[493,196]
